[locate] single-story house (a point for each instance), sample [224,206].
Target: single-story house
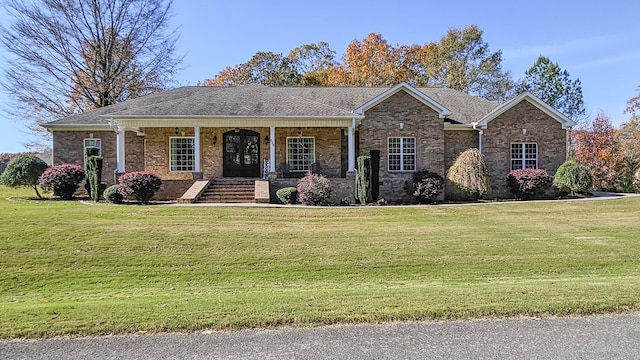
[261,137]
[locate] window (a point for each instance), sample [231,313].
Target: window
[524,156]
[91,142]
[182,154]
[301,153]
[402,154]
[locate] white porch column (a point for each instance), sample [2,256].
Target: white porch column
[352,146]
[120,150]
[272,149]
[196,148]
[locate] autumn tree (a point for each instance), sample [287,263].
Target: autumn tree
[596,148]
[370,62]
[554,86]
[68,56]
[460,60]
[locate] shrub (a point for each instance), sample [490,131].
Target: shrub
[24,170]
[287,195]
[469,172]
[94,172]
[425,186]
[112,194]
[528,184]
[364,166]
[573,177]
[63,180]
[142,185]
[313,189]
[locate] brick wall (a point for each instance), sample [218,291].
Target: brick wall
[455,142]
[507,129]
[419,121]
[328,143]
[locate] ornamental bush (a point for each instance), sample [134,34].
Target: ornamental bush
[63,180]
[313,189]
[112,194]
[364,176]
[24,170]
[141,185]
[573,177]
[425,186]
[469,172]
[287,195]
[527,184]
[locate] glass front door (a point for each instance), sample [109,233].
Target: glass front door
[241,154]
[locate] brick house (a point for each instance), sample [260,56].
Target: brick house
[204,137]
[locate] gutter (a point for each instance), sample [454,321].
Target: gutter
[480,133]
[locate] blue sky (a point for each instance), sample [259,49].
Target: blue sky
[597,42]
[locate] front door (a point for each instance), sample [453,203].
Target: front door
[241,153]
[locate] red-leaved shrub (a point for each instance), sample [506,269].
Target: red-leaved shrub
[528,184]
[425,186]
[142,185]
[63,180]
[313,189]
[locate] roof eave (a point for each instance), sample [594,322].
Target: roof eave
[443,112]
[534,100]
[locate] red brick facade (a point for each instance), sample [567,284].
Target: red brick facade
[401,115]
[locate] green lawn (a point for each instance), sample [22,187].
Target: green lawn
[74,268]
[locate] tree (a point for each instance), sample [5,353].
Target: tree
[554,86]
[264,68]
[68,56]
[372,62]
[596,149]
[469,172]
[462,61]
[572,177]
[24,170]
[313,62]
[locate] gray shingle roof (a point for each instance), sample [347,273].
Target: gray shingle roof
[262,101]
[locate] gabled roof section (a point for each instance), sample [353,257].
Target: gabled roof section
[442,111]
[535,101]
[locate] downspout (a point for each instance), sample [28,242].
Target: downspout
[480,132]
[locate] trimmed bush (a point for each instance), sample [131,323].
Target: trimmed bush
[469,173]
[313,189]
[112,194]
[141,185]
[364,172]
[527,184]
[573,177]
[94,173]
[287,195]
[63,180]
[425,186]
[24,170]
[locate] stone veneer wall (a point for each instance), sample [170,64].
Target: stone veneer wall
[507,128]
[420,121]
[456,142]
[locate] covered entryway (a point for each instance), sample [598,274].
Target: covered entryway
[241,153]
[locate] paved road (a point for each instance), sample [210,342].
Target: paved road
[607,337]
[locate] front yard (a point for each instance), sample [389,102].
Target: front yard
[74,268]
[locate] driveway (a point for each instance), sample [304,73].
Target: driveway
[598,337]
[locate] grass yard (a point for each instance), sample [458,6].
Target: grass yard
[82,269]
